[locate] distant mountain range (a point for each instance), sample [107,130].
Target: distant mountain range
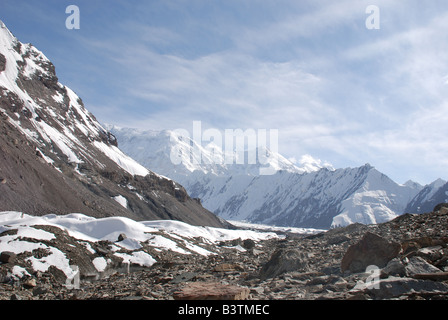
[312,194]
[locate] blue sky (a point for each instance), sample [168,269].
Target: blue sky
[311,69]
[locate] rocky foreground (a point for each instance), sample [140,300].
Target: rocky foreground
[406,258]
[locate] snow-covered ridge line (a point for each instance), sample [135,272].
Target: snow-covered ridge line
[161,235]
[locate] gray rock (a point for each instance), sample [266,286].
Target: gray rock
[248,244]
[416,265]
[284,260]
[372,249]
[394,287]
[395,267]
[430,253]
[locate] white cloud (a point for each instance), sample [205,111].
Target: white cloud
[342,90]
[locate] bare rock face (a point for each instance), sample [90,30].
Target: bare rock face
[372,249]
[2,63]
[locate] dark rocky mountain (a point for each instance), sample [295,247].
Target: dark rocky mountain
[56,158]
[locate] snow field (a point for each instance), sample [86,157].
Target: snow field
[88,229]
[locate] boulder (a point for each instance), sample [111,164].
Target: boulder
[416,265]
[121,237]
[437,276]
[7,257]
[394,287]
[29,283]
[228,267]
[441,206]
[248,244]
[284,260]
[211,291]
[372,249]
[394,267]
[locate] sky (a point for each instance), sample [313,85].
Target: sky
[332,87]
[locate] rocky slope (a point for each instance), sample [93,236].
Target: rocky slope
[56,157]
[406,258]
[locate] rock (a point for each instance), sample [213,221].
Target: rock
[440,206]
[394,268]
[102,249]
[15,297]
[338,239]
[29,283]
[2,63]
[438,276]
[248,244]
[430,253]
[37,291]
[211,291]
[372,249]
[394,287]
[186,276]
[284,260]
[416,265]
[121,237]
[226,267]
[7,257]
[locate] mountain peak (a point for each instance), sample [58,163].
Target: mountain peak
[310,164]
[178,156]
[413,184]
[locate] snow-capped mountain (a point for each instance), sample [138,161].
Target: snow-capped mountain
[154,148]
[432,194]
[309,194]
[57,158]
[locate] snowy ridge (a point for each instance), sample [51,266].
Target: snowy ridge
[161,235]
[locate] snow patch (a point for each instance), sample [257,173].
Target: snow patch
[122,201]
[100,264]
[124,161]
